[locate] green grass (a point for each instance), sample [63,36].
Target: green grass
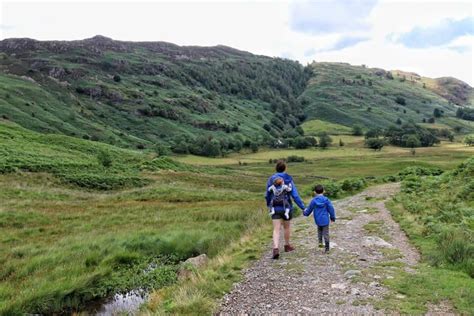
[428,285]
[437,215]
[315,127]
[65,243]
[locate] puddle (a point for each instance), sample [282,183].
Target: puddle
[123,304]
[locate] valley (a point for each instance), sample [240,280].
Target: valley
[119,156]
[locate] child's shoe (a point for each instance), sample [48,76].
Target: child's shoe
[287,213]
[326,250]
[272,211]
[321,245]
[276,253]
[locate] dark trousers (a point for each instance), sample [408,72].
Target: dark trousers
[323,232]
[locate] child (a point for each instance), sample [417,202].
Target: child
[323,211]
[279,190]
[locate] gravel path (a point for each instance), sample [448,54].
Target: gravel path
[366,247]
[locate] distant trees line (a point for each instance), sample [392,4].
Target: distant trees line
[212,146]
[408,135]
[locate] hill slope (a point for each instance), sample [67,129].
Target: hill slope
[348,95]
[131,93]
[138,94]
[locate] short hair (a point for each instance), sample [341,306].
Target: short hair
[280,166]
[319,189]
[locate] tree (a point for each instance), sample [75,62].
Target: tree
[180,148]
[469,140]
[254,147]
[373,133]
[431,120]
[117,78]
[162,150]
[357,130]
[375,143]
[437,113]
[399,121]
[411,141]
[324,140]
[341,143]
[212,148]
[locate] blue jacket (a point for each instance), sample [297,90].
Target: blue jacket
[294,192]
[322,209]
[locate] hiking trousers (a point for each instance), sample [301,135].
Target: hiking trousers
[323,232]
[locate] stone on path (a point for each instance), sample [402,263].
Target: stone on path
[338,286]
[351,273]
[371,241]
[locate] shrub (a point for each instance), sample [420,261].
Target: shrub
[469,140]
[324,140]
[295,159]
[105,159]
[117,78]
[375,143]
[101,181]
[400,100]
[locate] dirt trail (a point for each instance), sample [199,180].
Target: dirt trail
[367,246]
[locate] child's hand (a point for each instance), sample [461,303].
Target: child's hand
[333,220]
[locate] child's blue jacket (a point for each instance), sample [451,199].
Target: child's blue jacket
[322,209]
[294,192]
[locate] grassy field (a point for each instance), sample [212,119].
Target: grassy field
[314,127]
[75,229]
[66,242]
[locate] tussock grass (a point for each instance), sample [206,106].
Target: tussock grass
[436,213]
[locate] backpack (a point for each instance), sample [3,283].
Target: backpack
[280,193]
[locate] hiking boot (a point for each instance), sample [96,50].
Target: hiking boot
[276,253]
[289,248]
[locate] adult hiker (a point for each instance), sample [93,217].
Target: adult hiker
[280,192]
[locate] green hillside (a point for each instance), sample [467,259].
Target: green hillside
[204,100]
[348,95]
[144,93]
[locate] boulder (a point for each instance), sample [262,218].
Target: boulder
[192,264]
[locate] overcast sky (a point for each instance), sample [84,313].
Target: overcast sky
[432,38]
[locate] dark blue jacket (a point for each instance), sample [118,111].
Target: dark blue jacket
[294,192]
[322,209]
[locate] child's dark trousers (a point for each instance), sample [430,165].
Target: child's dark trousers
[323,232]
